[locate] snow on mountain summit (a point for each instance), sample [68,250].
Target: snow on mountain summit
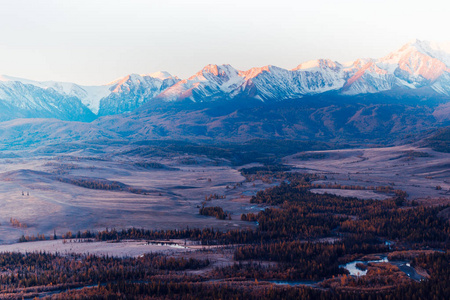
[318,64]
[416,65]
[211,82]
[131,91]
[161,75]
[89,95]
[440,51]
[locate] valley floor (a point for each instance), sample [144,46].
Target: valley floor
[421,172]
[88,190]
[75,192]
[308,229]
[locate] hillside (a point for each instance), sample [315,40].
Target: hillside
[440,140]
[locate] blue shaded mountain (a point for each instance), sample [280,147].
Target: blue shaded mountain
[417,67]
[367,100]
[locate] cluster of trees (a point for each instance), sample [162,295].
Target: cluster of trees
[308,156]
[298,193]
[435,288]
[234,186]
[440,141]
[206,236]
[214,196]
[215,211]
[285,245]
[95,184]
[305,260]
[418,225]
[250,217]
[379,276]
[17,223]
[269,173]
[266,169]
[295,222]
[28,238]
[385,189]
[101,184]
[412,153]
[150,165]
[303,214]
[41,269]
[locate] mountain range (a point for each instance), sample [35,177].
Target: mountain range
[408,90]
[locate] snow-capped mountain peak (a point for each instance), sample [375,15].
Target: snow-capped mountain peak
[162,75]
[131,91]
[209,83]
[318,64]
[414,65]
[436,50]
[253,72]
[417,64]
[224,71]
[89,95]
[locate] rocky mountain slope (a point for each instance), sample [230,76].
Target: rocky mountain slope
[380,118]
[383,100]
[23,98]
[419,67]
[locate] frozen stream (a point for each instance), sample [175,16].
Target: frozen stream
[404,266]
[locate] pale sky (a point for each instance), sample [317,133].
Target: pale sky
[97,41]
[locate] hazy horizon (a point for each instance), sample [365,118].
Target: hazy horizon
[93,43]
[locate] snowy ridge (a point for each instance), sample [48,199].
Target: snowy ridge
[130,92]
[416,65]
[89,95]
[211,82]
[112,94]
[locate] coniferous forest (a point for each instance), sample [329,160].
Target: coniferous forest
[225,150]
[298,250]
